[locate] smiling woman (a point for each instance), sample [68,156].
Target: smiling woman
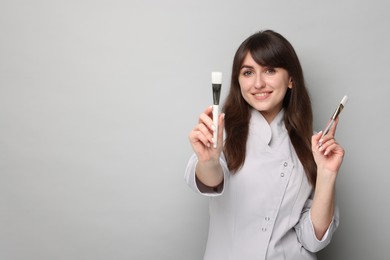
[271,186]
[271,51]
[263,88]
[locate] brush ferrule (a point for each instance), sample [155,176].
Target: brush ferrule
[338,111]
[216,93]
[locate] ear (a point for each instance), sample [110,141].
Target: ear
[290,83]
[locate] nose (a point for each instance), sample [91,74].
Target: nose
[259,81]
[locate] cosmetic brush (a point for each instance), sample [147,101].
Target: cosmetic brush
[216,81]
[335,115]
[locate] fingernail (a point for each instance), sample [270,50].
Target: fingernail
[213,127]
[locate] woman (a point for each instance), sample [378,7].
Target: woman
[271,182]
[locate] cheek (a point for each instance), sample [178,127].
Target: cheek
[242,88]
[243,91]
[282,85]
[283,91]
[240,82]
[244,84]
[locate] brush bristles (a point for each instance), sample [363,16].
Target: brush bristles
[344,100]
[216,77]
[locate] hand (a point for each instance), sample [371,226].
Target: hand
[328,154]
[201,137]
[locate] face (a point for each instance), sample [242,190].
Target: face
[263,88]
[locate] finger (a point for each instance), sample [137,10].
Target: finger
[206,132]
[315,139]
[208,111]
[204,140]
[325,139]
[325,145]
[197,137]
[333,148]
[207,120]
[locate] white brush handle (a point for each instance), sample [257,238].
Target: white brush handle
[215,122]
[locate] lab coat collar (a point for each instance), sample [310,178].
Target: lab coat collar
[269,132]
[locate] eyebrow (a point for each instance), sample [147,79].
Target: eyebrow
[246,67]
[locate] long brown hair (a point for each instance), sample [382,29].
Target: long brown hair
[269,48]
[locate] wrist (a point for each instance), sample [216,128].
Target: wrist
[208,164]
[209,172]
[326,173]
[326,181]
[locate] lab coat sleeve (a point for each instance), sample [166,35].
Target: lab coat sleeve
[193,182]
[305,230]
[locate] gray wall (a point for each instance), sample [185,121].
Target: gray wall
[97,98]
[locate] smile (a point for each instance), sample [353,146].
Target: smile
[262,95]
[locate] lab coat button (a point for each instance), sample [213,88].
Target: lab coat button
[263,229]
[282,174]
[285,164]
[267,218]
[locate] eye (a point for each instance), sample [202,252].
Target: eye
[247,73]
[270,70]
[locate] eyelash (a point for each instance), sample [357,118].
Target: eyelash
[267,71]
[247,72]
[270,70]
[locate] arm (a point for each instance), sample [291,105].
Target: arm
[197,186]
[209,173]
[208,168]
[322,210]
[328,156]
[306,231]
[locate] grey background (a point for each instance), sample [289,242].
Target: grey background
[97,99]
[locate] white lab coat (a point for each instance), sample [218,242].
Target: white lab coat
[262,211]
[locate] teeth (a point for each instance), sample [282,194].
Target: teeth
[261,94]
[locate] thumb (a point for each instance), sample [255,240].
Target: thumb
[315,139]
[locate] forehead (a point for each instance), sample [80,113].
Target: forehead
[249,61]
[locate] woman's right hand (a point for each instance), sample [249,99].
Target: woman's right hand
[201,137]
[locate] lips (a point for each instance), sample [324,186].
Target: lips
[262,95]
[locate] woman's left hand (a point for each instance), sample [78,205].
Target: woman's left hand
[328,154]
